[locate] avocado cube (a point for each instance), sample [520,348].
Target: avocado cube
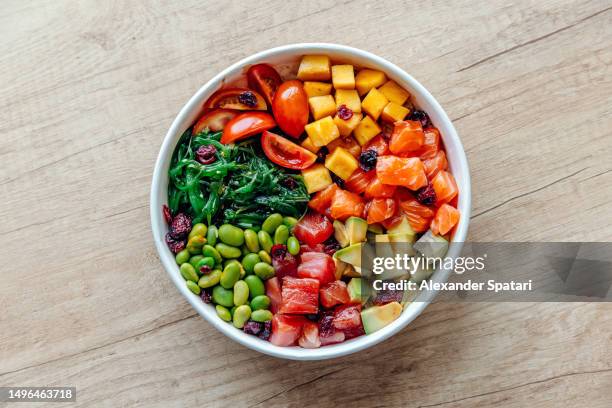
[366,130]
[394,112]
[343,76]
[374,103]
[394,92]
[355,292]
[342,163]
[321,106]
[357,229]
[367,79]
[349,98]
[346,127]
[340,234]
[314,88]
[351,254]
[314,68]
[376,317]
[316,178]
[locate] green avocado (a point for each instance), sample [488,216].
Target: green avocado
[356,228]
[351,254]
[403,227]
[354,289]
[340,234]
[376,317]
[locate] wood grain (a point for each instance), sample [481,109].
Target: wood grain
[88,91]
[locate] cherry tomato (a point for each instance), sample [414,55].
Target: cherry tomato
[214,120]
[286,153]
[236,98]
[245,125]
[290,107]
[265,79]
[313,228]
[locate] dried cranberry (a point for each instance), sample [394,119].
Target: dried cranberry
[322,154]
[331,246]
[267,331]
[175,245]
[283,262]
[387,296]
[253,328]
[180,226]
[206,296]
[387,130]
[167,214]
[426,195]
[337,180]
[290,183]
[206,154]
[344,112]
[420,116]
[205,269]
[248,98]
[367,159]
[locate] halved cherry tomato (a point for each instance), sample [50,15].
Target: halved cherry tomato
[435,163]
[407,137]
[397,171]
[265,79]
[378,144]
[345,204]
[445,187]
[313,228]
[236,98]
[359,180]
[380,209]
[431,143]
[419,215]
[286,153]
[444,221]
[300,295]
[245,125]
[321,201]
[376,189]
[214,120]
[290,107]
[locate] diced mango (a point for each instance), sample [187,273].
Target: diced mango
[348,143]
[314,68]
[394,92]
[367,79]
[341,163]
[321,106]
[366,130]
[343,76]
[350,98]
[317,88]
[307,144]
[347,126]
[374,103]
[322,131]
[316,178]
[394,112]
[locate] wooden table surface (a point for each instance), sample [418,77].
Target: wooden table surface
[89,89]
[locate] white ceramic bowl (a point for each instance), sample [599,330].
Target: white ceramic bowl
[286,59]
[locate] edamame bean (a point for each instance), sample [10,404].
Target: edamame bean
[210,251]
[195,244]
[238,264]
[265,257]
[290,222]
[198,229]
[223,313]
[281,234]
[230,275]
[195,259]
[261,316]
[241,293]
[182,257]
[227,251]
[222,296]
[293,246]
[249,261]
[260,302]
[212,235]
[265,240]
[193,286]
[264,270]
[271,223]
[231,235]
[241,316]
[188,272]
[206,261]
[256,286]
[211,279]
[251,241]
[232,310]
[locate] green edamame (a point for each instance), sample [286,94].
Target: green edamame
[265,240]
[193,287]
[182,257]
[249,261]
[210,251]
[212,235]
[241,293]
[261,315]
[290,222]
[256,286]
[293,246]
[251,240]
[195,259]
[230,235]
[188,272]
[232,310]
[211,279]
[230,275]
[265,257]
[260,302]
[195,244]
[198,229]
[271,223]
[222,296]
[227,251]
[281,234]
[264,270]
[206,261]
[241,316]
[223,313]
[238,264]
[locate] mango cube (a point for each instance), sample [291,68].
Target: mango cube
[317,88]
[367,79]
[374,103]
[394,92]
[322,106]
[314,68]
[347,126]
[316,178]
[341,163]
[307,144]
[350,98]
[343,76]
[366,130]
[394,112]
[322,131]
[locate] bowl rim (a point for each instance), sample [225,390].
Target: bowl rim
[458,162]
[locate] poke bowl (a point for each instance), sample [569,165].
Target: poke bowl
[279,170]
